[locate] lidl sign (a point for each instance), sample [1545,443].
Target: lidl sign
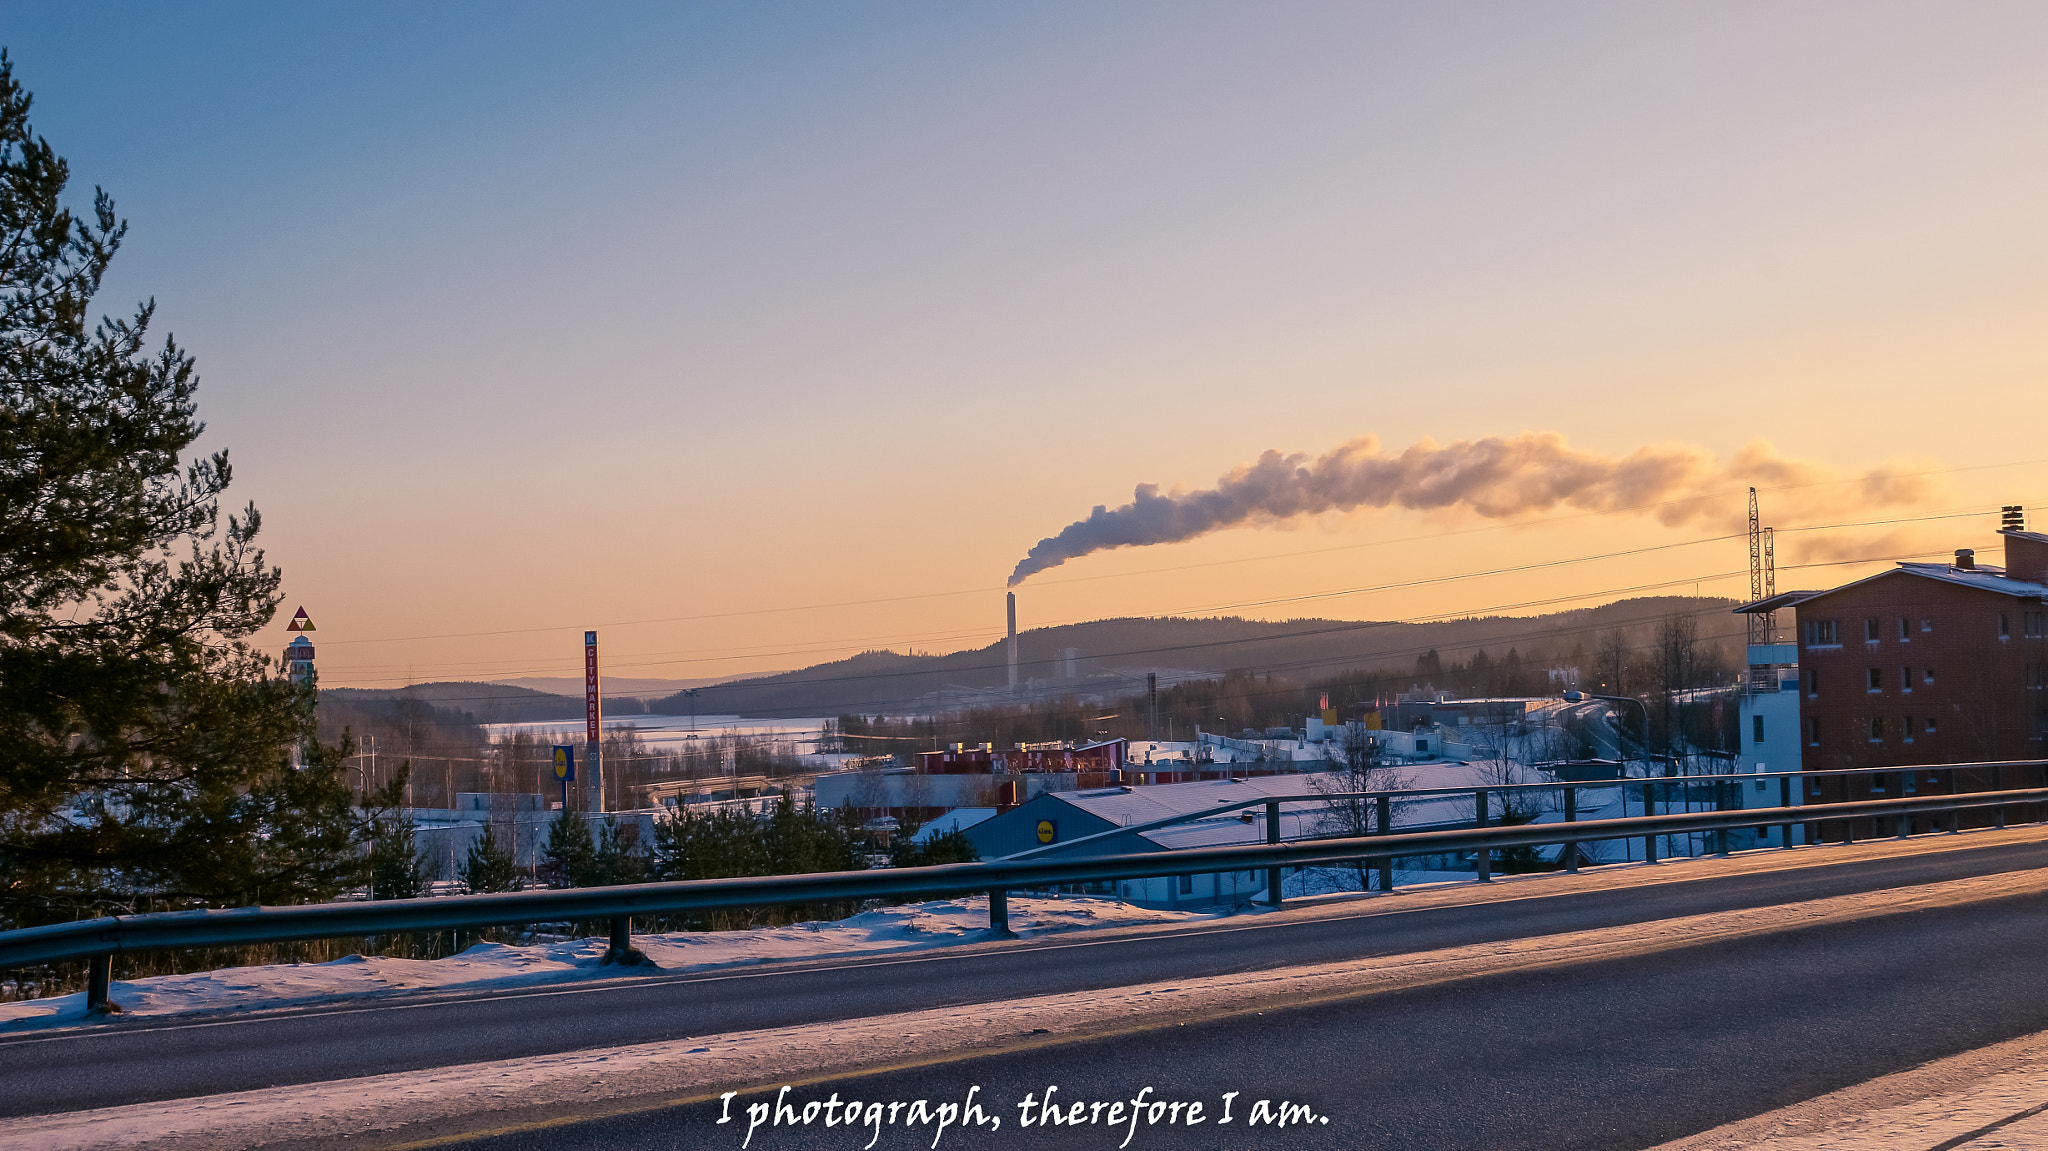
[565,763]
[1048,830]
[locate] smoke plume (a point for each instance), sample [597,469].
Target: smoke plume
[1497,477]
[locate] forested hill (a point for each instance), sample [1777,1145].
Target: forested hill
[1115,654]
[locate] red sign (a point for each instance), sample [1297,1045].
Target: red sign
[593,715]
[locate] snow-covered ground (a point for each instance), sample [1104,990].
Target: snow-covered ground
[696,1069]
[496,966]
[1994,1097]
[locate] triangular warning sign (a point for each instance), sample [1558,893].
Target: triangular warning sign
[300,622]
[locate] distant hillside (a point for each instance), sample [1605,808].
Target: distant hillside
[1115,654]
[482,702]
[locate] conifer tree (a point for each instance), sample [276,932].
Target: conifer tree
[570,852]
[149,758]
[488,866]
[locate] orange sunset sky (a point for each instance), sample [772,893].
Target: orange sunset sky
[758,336]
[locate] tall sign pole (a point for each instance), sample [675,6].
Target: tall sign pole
[593,721]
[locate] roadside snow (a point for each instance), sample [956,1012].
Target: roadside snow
[696,1069]
[1911,1111]
[494,966]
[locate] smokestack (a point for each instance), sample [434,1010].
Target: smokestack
[1013,641]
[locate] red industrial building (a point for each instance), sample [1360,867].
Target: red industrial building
[982,759]
[1926,663]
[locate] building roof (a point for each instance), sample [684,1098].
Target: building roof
[958,819]
[1783,599]
[1985,577]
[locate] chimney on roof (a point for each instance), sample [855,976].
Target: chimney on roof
[1966,559]
[2012,518]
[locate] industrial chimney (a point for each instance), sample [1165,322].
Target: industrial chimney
[1013,641]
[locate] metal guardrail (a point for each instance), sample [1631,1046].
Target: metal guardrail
[99,940]
[1380,804]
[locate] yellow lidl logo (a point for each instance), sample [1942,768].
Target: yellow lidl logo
[1048,831]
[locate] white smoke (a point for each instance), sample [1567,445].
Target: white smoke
[1496,477]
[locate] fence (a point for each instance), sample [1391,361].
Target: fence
[99,940]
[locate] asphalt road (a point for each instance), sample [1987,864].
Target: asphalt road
[1612,1056]
[137,1061]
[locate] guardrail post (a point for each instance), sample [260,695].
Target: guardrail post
[99,979]
[999,911]
[1386,813]
[621,949]
[1998,784]
[1903,827]
[1273,836]
[1649,809]
[1482,859]
[1727,798]
[1785,800]
[1571,815]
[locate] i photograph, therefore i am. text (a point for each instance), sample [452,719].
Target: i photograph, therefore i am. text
[1037,1109]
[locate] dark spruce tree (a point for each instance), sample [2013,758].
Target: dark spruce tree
[149,757]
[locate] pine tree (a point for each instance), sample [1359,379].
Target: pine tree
[570,852]
[615,862]
[489,867]
[146,750]
[398,868]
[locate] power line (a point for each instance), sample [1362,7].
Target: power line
[1512,569]
[1180,567]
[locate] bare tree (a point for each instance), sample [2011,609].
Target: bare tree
[1357,766]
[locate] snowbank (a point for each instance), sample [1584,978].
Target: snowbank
[495,966]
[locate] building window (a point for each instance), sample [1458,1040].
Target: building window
[1187,885]
[1927,728]
[2035,623]
[1876,782]
[1870,631]
[1926,676]
[1877,679]
[1822,633]
[2004,626]
[2034,676]
[1756,723]
[1905,679]
[1876,728]
[1813,736]
[1926,625]
[1905,630]
[1759,786]
[1906,728]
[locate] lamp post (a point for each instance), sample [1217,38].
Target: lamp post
[1649,804]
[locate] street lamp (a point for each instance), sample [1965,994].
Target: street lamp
[1649,804]
[1576,696]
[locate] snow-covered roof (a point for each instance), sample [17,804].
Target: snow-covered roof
[958,819]
[1986,577]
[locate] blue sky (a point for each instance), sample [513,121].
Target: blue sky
[538,316]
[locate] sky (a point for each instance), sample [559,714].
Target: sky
[757,335]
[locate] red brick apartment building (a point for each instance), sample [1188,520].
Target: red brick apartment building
[1926,663]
